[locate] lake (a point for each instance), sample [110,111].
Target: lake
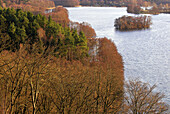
[146,53]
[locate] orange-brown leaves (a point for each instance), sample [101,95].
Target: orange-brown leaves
[88,30]
[60,15]
[108,54]
[131,23]
[85,27]
[35,6]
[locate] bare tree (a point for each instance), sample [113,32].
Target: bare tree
[141,98]
[31,82]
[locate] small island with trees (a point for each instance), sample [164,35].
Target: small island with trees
[132,23]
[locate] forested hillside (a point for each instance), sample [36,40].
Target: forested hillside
[18,27]
[38,3]
[35,6]
[47,68]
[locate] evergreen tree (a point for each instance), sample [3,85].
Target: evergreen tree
[83,45]
[3,26]
[76,37]
[12,29]
[69,39]
[83,40]
[42,20]
[18,27]
[21,34]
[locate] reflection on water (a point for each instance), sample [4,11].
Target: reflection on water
[146,53]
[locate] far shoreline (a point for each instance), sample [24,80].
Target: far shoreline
[81,6]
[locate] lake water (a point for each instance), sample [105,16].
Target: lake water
[146,53]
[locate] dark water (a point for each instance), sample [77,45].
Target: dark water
[146,53]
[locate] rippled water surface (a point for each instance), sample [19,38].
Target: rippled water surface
[146,53]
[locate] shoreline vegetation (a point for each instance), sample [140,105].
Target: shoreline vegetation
[133,6]
[136,6]
[52,65]
[143,10]
[126,23]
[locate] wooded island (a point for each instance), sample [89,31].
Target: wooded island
[132,23]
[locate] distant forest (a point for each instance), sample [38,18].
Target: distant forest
[35,6]
[72,3]
[117,3]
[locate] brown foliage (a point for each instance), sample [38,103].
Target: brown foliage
[86,3]
[67,3]
[108,54]
[41,3]
[133,9]
[34,83]
[131,23]
[85,27]
[60,15]
[141,98]
[137,10]
[88,30]
[41,33]
[35,6]
[154,10]
[130,8]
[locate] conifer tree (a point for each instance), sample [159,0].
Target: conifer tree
[3,27]
[18,27]
[12,29]
[76,37]
[21,34]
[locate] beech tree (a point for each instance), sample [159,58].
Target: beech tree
[41,83]
[141,98]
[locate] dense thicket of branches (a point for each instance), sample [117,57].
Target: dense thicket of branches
[131,23]
[35,83]
[140,98]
